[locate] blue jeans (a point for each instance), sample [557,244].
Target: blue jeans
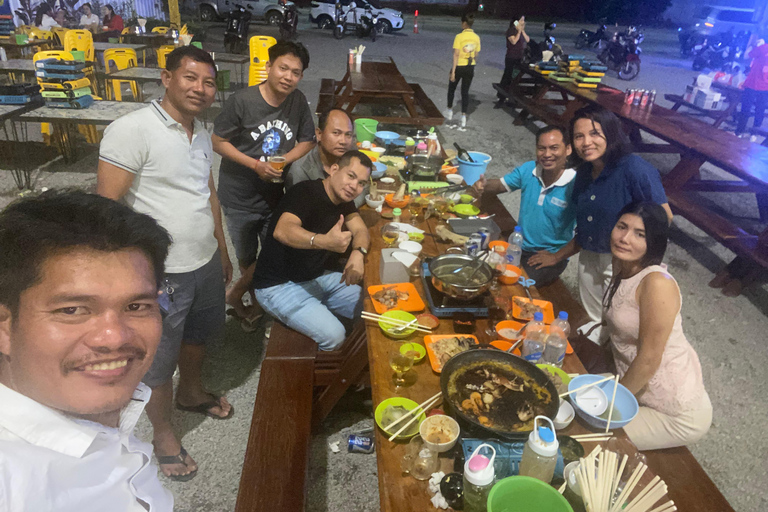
[311,307]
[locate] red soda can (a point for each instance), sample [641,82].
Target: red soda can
[644,99]
[629,96]
[638,97]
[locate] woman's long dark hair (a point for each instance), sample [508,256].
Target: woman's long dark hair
[617,142]
[110,14]
[656,225]
[515,17]
[44,8]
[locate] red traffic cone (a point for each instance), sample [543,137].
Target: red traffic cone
[416,23]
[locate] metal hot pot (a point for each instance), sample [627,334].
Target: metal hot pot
[446,280]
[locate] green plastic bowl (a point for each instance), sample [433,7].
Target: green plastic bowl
[466,210]
[467,198]
[526,494]
[397,315]
[414,347]
[408,405]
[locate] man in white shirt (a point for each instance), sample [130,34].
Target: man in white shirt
[79,327]
[158,161]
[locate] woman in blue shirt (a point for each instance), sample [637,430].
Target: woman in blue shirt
[608,178]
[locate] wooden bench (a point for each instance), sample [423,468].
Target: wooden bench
[431,115]
[719,115]
[298,386]
[327,97]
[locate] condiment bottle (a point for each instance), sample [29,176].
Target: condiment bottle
[410,146]
[421,148]
[396,213]
[540,452]
[433,145]
[478,479]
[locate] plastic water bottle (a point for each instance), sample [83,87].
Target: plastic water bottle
[533,344]
[515,249]
[479,475]
[562,323]
[554,351]
[540,452]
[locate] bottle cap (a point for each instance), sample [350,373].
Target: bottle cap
[518,229]
[538,316]
[410,142]
[479,470]
[563,315]
[432,136]
[397,211]
[543,440]
[421,145]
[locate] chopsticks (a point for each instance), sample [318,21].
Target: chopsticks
[427,404]
[613,399]
[590,436]
[585,386]
[395,322]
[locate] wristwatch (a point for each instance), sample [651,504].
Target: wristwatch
[363,250]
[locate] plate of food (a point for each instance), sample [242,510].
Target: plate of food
[524,309]
[402,296]
[442,347]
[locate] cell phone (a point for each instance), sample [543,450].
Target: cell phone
[517,23]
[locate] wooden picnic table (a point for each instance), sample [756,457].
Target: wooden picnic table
[139,75]
[731,96]
[65,121]
[696,143]
[25,68]
[14,152]
[10,44]
[379,81]
[240,61]
[400,493]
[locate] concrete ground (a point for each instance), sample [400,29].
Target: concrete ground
[728,334]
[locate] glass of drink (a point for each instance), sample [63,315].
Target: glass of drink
[390,236]
[401,363]
[277,162]
[414,208]
[441,205]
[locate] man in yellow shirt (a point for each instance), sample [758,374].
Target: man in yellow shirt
[466,46]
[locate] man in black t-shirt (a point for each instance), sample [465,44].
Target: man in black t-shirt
[289,281]
[256,123]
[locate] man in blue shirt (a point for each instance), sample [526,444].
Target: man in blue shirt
[547,215]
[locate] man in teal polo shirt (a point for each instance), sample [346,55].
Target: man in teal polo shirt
[547,215]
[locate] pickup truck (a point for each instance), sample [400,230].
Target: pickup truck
[267,10]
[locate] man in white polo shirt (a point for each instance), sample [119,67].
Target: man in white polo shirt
[158,161]
[79,326]
[547,215]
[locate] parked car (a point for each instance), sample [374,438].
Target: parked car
[323,12]
[268,10]
[714,20]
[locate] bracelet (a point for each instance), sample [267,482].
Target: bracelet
[312,240]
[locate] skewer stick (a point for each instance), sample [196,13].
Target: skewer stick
[642,494]
[419,408]
[618,475]
[667,507]
[643,502]
[596,434]
[625,493]
[613,399]
[585,386]
[415,417]
[561,490]
[595,439]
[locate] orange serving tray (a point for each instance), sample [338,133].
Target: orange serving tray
[414,302]
[545,305]
[430,339]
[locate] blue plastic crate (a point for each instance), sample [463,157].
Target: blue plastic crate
[508,456]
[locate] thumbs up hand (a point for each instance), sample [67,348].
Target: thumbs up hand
[337,240]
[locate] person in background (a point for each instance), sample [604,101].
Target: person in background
[79,326]
[653,357]
[158,161]
[290,281]
[755,92]
[608,177]
[43,17]
[112,22]
[547,213]
[89,20]
[466,46]
[258,122]
[335,136]
[517,40]
[61,17]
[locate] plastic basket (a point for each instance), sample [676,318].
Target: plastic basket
[508,456]
[78,55]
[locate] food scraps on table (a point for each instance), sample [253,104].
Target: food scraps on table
[400,194]
[393,413]
[527,308]
[446,348]
[389,296]
[446,235]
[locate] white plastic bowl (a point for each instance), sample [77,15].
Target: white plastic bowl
[455,179]
[373,204]
[387,180]
[565,415]
[410,246]
[444,423]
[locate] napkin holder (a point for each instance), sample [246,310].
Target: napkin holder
[392,270]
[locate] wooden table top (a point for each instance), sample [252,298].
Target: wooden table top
[100,113]
[399,493]
[378,77]
[11,111]
[739,157]
[11,42]
[100,47]
[17,65]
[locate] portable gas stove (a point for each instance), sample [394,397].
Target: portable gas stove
[443,306]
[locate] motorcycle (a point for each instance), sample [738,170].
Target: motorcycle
[340,15]
[688,41]
[716,53]
[369,24]
[534,52]
[290,21]
[622,54]
[589,39]
[236,33]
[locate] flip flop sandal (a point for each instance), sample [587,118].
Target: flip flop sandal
[247,324]
[205,408]
[165,460]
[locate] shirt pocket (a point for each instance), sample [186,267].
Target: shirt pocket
[203,157]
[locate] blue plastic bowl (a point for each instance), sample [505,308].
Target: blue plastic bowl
[378,170]
[626,403]
[387,137]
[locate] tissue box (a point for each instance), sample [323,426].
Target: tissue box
[392,270]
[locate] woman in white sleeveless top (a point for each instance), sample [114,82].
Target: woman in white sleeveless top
[653,357]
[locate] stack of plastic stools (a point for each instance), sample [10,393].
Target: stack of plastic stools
[20,94]
[64,83]
[6,25]
[590,74]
